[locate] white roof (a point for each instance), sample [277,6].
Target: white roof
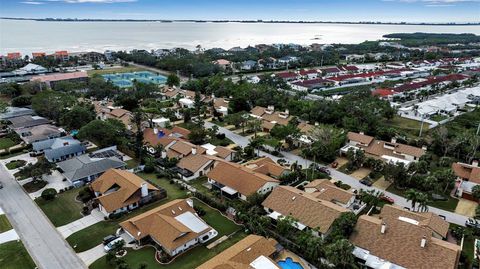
[186,101]
[395,160]
[229,190]
[263,262]
[160,120]
[192,222]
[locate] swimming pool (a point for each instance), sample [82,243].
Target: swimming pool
[289,264]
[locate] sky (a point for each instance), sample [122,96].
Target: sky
[312,10]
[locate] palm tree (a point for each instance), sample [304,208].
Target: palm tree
[412,195]
[255,125]
[422,200]
[340,254]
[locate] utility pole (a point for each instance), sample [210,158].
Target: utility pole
[478,129]
[421,127]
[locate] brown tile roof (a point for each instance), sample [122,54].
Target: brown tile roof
[153,139]
[326,190]
[127,185]
[170,92]
[266,166]
[240,255]
[240,178]
[305,208]
[218,102]
[467,171]
[185,148]
[193,162]
[364,139]
[305,128]
[160,224]
[223,152]
[400,244]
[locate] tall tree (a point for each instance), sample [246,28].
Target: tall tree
[137,119]
[340,253]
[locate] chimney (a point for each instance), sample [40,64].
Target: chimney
[155,130]
[424,148]
[383,228]
[475,163]
[362,133]
[394,140]
[423,242]
[194,151]
[316,123]
[287,112]
[144,189]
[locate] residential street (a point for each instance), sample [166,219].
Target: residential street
[43,242]
[353,182]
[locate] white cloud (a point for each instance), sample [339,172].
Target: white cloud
[32,3]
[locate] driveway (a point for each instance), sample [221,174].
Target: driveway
[9,235]
[466,207]
[93,254]
[80,224]
[43,242]
[290,157]
[26,157]
[55,181]
[361,173]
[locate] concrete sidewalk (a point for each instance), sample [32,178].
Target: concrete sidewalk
[80,224]
[93,254]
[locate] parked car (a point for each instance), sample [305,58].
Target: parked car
[438,197]
[1,185]
[366,182]
[387,199]
[109,239]
[112,243]
[324,170]
[472,223]
[443,217]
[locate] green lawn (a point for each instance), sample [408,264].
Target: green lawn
[13,255]
[124,69]
[198,184]
[63,209]
[6,143]
[132,163]
[448,205]
[15,164]
[410,126]
[4,224]
[438,117]
[173,192]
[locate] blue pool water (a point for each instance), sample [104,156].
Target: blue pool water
[125,80]
[289,264]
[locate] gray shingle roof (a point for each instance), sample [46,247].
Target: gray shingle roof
[84,166]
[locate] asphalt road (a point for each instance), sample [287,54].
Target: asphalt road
[353,182]
[42,241]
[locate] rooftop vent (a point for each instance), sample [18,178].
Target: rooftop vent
[173,212]
[293,198]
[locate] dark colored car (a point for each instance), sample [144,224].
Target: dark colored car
[324,170]
[1,185]
[109,239]
[366,182]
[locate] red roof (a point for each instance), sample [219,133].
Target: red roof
[287,75]
[331,70]
[14,55]
[61,53]
[306,72]
[38,54]
[383,92]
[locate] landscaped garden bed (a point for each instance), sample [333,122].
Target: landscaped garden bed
[16,164]
[34,185]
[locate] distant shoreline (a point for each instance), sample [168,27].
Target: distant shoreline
[242,21]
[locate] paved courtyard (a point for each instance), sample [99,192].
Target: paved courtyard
[55,181]
[466,207]
[382,184]
[361,173]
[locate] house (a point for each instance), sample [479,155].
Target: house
[469,176]
[39,133]
[118,191]
[175,227]
[253,79]
[170,93]
[154,137]
[181,148]
[237,181]
[324,189]
[26,121]
[14,56]
[224,64]
[355,58]
[194,166]
[106,110]
[386,151]
[36,55]
[309,211]
[398,238]
[253,251]
[268,167]
[287,59]
[51,79]
[305,138]
[88,167]
[248,65]
[13,112]
[59,149]
[270,117]
[61,55]
[287,76]
[221,106]
[311,84]
[219,152]
[30,69]
[309,74]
